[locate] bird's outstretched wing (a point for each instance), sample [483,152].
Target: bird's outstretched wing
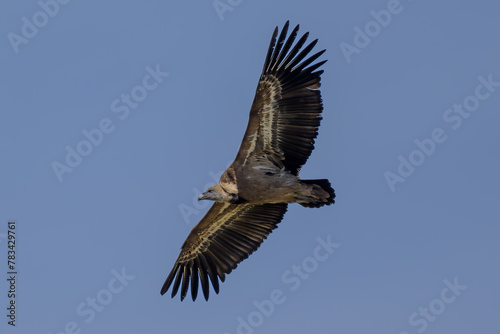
[227,235]
[286,111]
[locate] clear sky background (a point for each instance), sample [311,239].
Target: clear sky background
[409,257]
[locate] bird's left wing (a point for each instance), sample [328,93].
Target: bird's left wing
[286,111]
[225,236]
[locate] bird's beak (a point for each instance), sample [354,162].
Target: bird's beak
[202,196]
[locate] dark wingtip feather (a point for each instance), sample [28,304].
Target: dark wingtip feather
[194,279]
[311,68]
[177,282]
[185,282]
[203,272]
[169,280]
[270,49]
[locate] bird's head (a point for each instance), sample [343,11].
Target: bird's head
[218,194]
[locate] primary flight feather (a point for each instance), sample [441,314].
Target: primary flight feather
[253,193]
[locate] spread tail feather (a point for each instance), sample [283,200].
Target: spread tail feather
[320,193]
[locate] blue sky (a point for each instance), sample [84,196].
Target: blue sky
[156,96]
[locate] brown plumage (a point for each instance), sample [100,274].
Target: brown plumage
[252,195]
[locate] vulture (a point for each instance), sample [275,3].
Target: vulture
[253,193]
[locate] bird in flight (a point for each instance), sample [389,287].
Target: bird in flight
[253,193]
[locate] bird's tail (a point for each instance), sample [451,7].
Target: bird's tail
[316,193]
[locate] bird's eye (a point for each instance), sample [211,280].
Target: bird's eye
[210,191]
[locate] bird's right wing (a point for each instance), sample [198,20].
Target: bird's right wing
[225,236]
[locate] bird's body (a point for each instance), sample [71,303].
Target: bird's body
[253,193]
[261,182]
